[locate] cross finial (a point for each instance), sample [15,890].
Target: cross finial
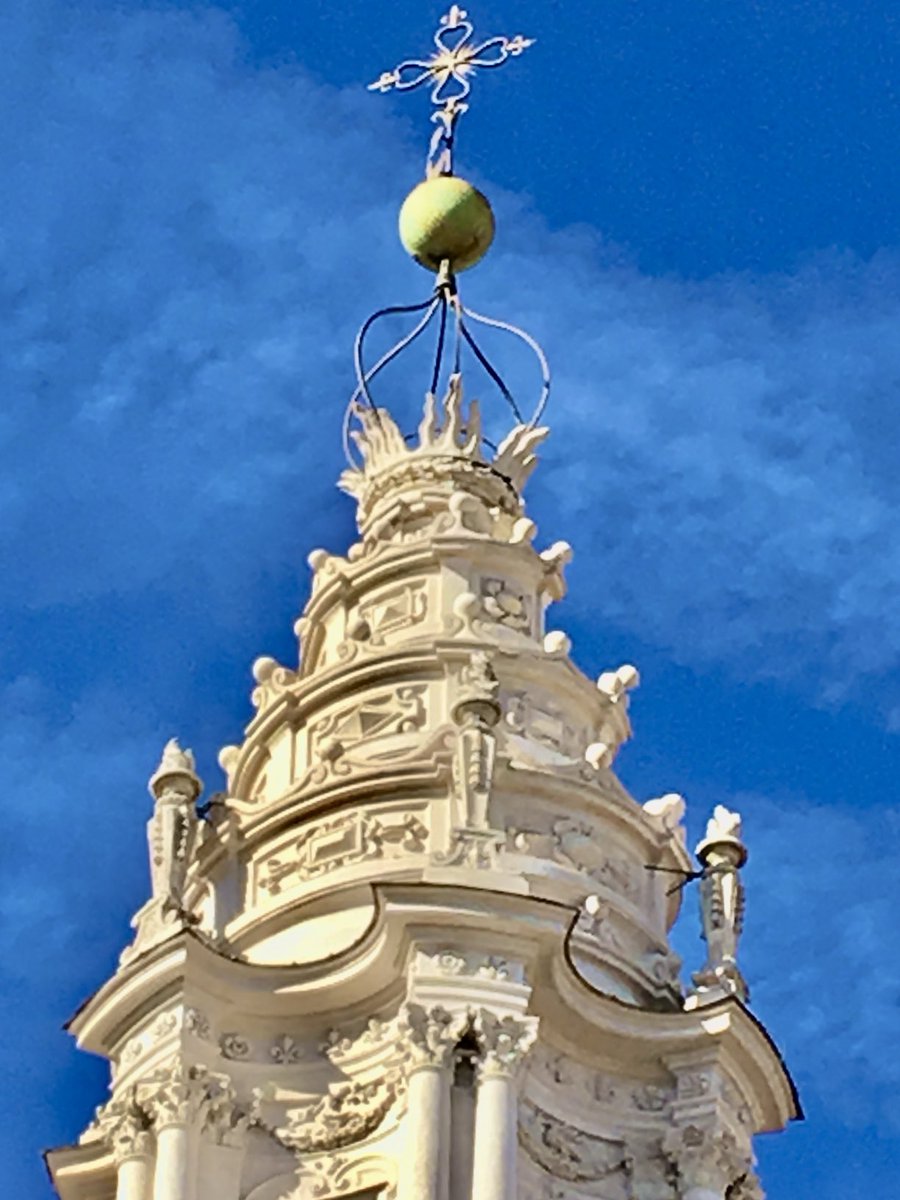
[448,71]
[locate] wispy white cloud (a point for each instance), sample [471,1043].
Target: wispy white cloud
[189,247]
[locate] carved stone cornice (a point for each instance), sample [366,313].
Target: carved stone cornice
[429,1035]
[504,1042]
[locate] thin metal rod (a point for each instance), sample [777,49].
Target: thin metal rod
[365,377]
[482,358]
[529,341]
[362,376]
[457,336]
[439,354]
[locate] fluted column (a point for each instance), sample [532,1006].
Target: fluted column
[430,1036]
[504,1042]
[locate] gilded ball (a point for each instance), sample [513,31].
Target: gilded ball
[446,218]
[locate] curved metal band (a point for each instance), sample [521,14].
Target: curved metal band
[364,377]
[493,323]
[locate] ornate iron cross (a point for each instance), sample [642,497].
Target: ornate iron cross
[448,72]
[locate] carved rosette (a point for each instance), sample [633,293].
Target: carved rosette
[429,1035]
[504,1042]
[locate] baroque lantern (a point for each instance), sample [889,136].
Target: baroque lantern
[417,948]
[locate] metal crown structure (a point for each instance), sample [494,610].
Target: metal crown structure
[449,72]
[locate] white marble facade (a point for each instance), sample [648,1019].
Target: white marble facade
[412,949]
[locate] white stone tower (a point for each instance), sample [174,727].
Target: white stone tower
[414,950]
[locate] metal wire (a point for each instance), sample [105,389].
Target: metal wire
[534,345]
[483,359]
[443,298]
[439,353]
[364,377]
[457,344]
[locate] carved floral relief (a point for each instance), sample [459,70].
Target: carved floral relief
[568,1153]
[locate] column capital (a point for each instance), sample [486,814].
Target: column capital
[504,1042]
[428,1036]
[177,1095]
[225,1120]
[125,1126]
[709,1158]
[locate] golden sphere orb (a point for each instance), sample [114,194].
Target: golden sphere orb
[446,218]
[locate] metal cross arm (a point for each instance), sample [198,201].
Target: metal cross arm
[448,72]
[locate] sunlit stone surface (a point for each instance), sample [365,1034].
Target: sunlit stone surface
[412,950]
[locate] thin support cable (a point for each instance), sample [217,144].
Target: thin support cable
[362,376]
[439,353]
[457,337]
[482,358]
[534,345]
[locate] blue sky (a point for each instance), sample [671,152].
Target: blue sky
[698,214]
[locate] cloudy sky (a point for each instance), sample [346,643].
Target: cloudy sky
[699,215]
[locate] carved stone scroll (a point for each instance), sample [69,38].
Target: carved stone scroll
[348,1113]
[127,1128]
